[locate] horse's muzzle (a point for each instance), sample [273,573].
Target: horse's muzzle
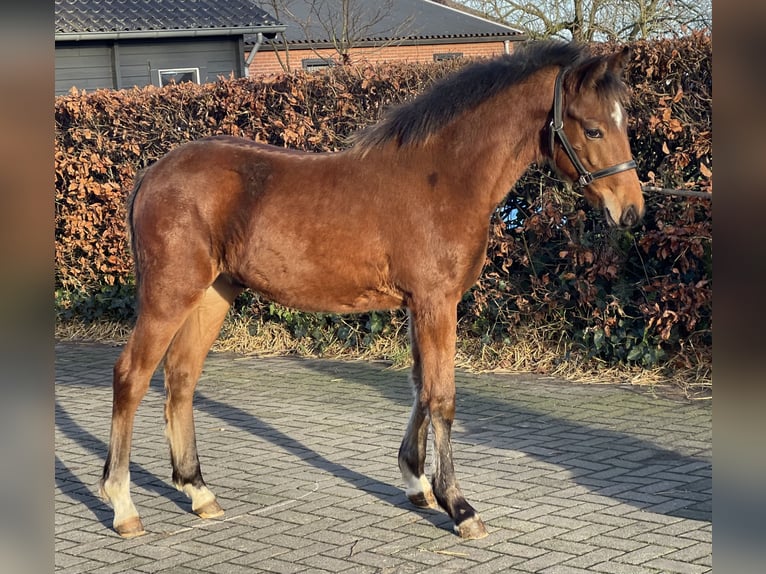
[630,217]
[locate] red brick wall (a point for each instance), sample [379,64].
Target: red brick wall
[267,63]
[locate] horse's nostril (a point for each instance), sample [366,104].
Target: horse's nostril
[629,217]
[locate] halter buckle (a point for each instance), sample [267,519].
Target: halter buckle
[585,179]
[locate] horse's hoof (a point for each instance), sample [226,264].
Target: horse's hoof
[471,528]
[131,528]
[210,510]
[423,500]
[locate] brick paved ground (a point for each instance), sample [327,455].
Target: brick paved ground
[302,455]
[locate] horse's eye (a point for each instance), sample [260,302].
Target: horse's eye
[593,133]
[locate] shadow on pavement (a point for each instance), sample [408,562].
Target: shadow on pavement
[388,493]
[606,462]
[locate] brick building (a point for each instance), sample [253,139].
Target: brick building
[379,31]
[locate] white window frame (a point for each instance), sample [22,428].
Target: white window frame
[443,56]
[194,71]
[316,64]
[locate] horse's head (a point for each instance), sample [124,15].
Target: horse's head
[589,137]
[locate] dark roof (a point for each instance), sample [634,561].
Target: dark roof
[109,19]
[399,21]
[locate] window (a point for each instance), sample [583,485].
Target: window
[314,64]
[178,75]
[447,56]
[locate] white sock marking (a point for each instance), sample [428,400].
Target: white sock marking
[415,484]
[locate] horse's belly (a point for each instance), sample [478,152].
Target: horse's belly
[337,287]
[366,301]
[331,300]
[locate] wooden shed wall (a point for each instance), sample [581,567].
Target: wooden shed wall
[127,63]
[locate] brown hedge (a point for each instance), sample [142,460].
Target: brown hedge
[622,296]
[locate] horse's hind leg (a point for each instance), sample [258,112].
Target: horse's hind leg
[434,330]
[183,365]
[132,373]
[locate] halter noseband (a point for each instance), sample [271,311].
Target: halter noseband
[557,129]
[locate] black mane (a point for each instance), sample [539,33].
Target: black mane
[449,97]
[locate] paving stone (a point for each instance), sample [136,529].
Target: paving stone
[621,568]
[644,554]
[675,566]
[541,563]
[586,532]
[521,550]
[691,553]
[597,556]
[302,454]
[564,569]
[539,535]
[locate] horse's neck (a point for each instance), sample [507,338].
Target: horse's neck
[496,143]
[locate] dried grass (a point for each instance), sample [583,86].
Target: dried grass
[529,352]
[108,332]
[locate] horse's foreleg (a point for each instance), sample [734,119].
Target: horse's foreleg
[435,332]
[412,452]
[183,365]
[468,524]
[132,373]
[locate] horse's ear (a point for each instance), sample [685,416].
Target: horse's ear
[619,60]
[597,67]
[593,72]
